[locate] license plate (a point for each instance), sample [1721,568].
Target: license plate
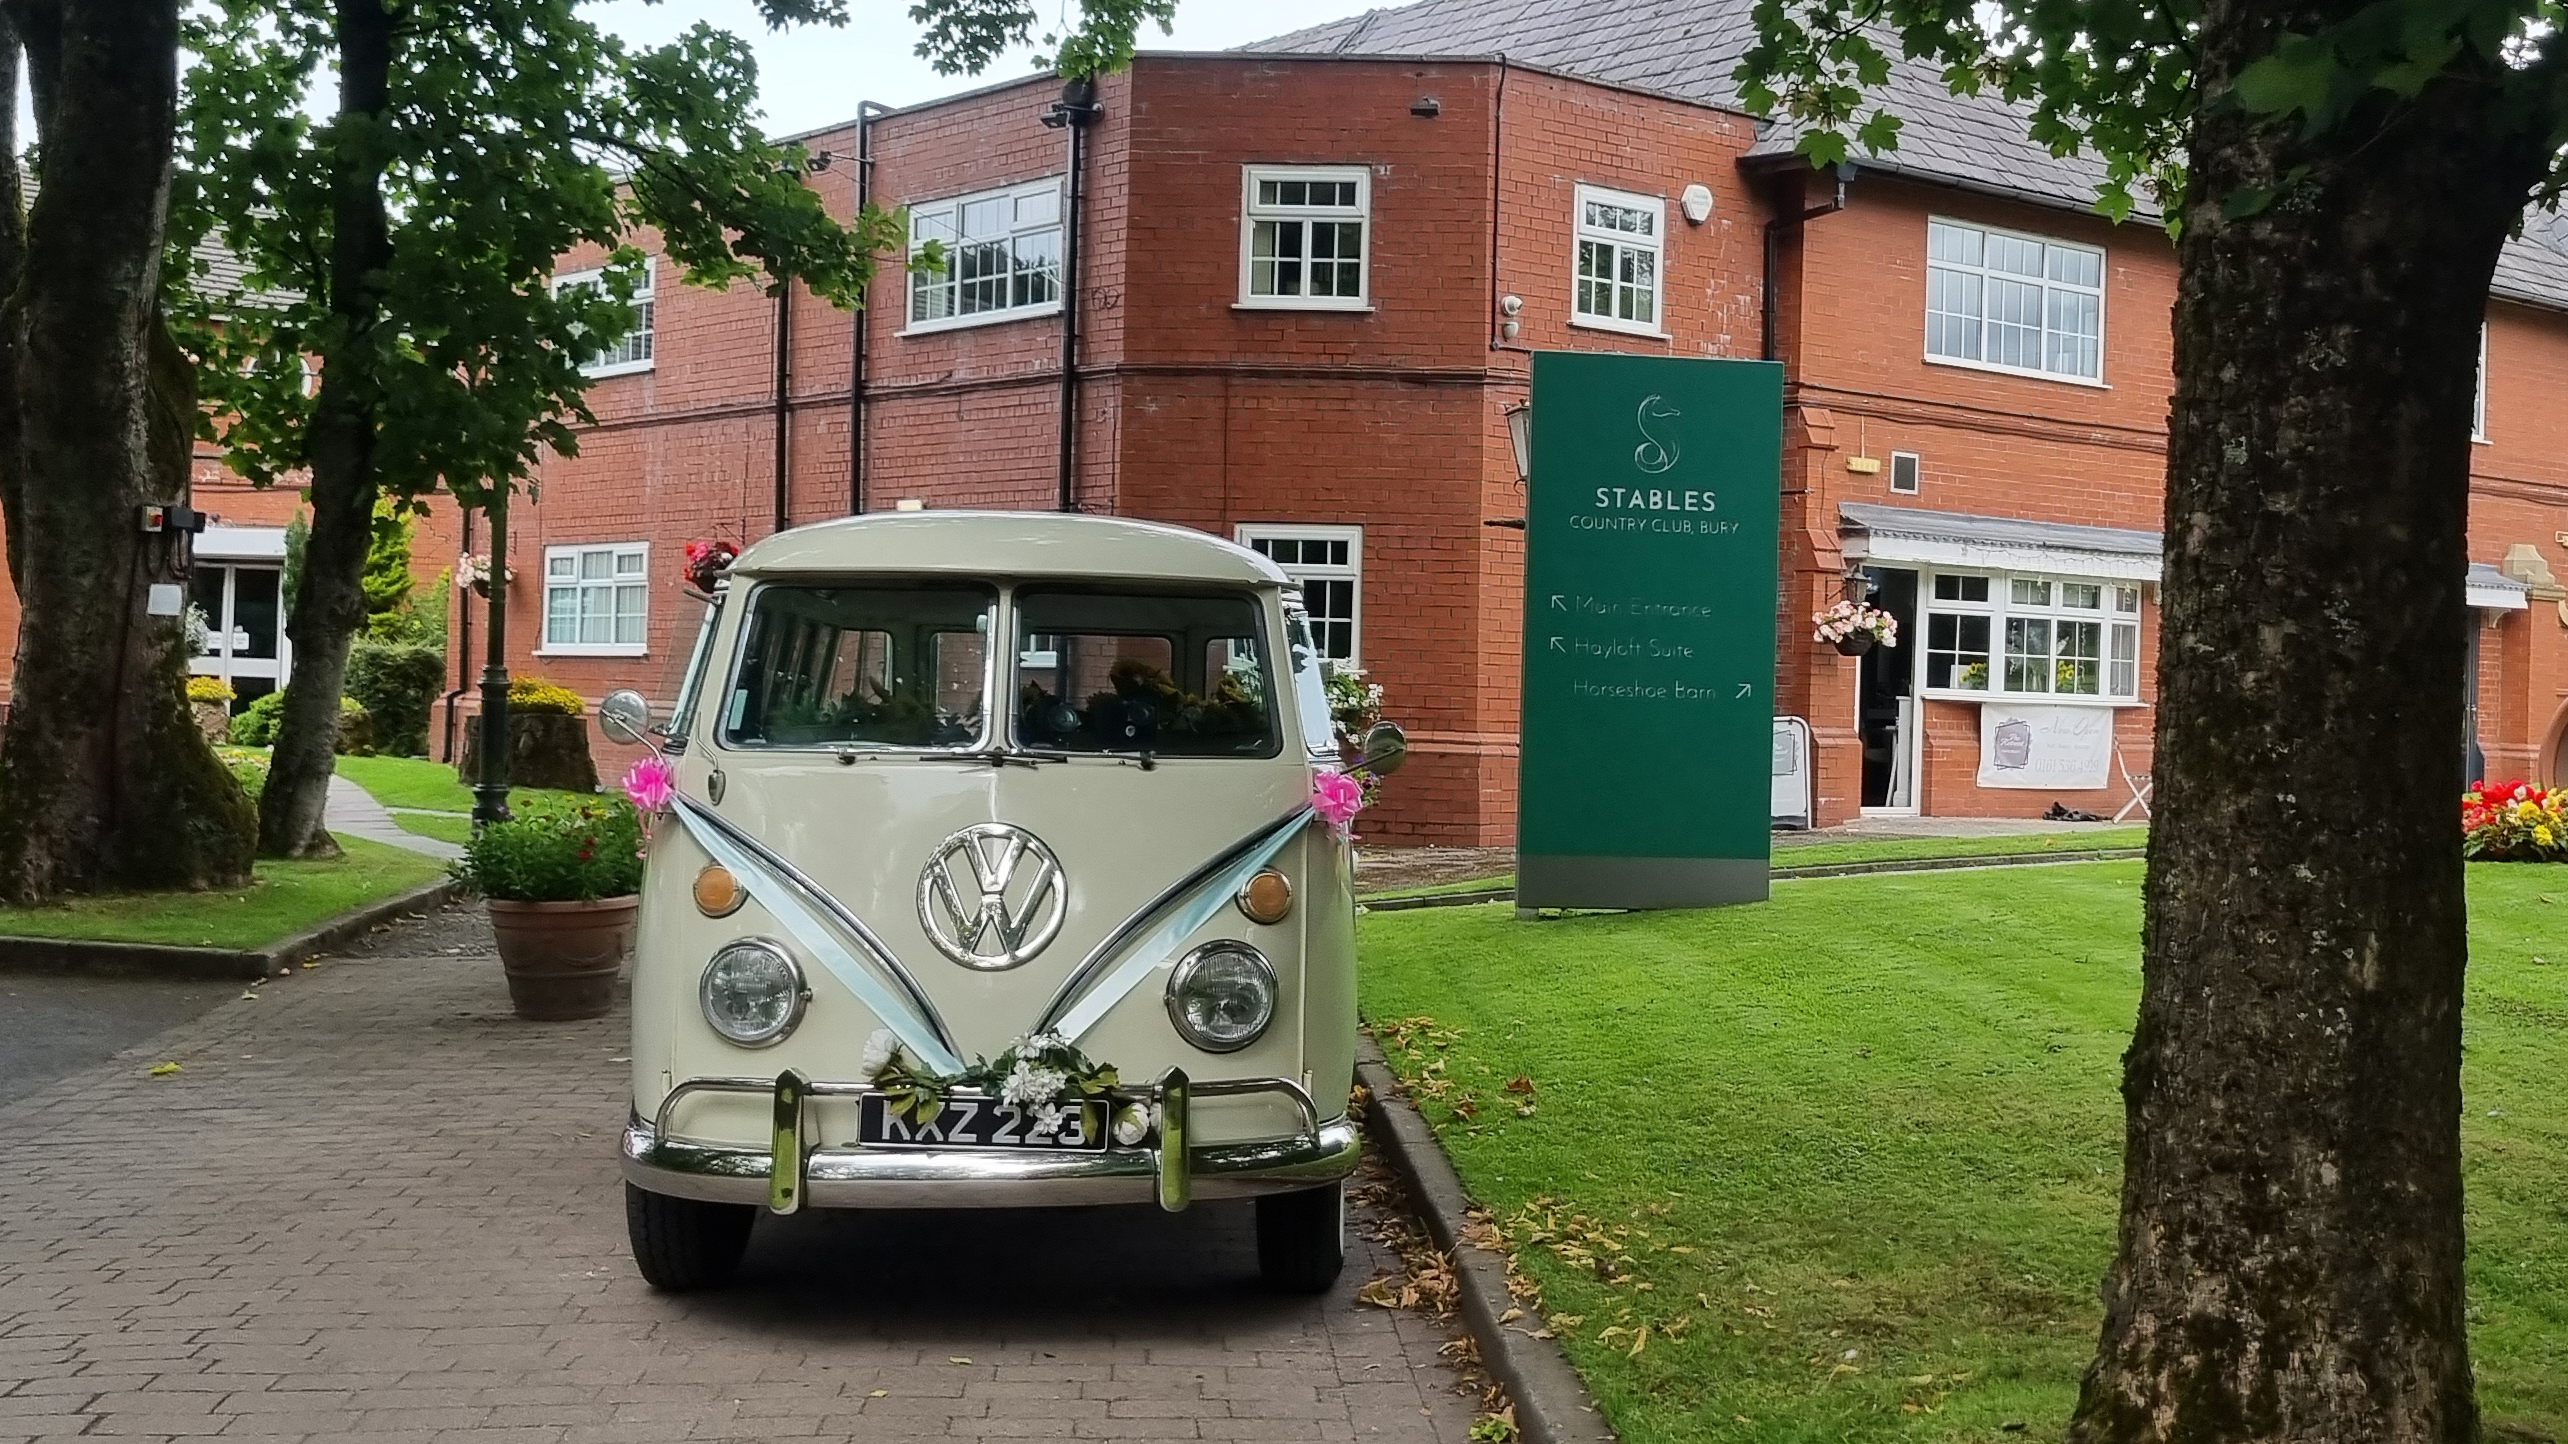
[979,1123]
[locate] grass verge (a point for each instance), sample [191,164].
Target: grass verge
[442,826]
[418,783]
[1844,1166]
[1887,849]
[283,899]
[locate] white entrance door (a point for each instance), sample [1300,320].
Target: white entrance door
[245,643]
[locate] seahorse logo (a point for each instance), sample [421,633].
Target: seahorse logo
[1654,454]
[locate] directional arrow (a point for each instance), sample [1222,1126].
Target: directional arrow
[1557,604]
[1556,645]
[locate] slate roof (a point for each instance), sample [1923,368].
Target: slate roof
[1687,49]
[1954,526]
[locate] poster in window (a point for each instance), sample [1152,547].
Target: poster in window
[2045,748]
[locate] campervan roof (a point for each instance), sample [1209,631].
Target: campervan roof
[1005,544]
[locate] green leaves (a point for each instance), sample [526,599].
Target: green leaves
[2117,79]
[514,133]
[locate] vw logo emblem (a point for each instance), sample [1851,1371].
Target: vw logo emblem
[992,896]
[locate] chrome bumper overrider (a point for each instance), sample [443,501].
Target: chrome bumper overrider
[792,1173]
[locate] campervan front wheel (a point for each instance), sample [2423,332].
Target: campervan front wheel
[1301,1239]
[680,1243]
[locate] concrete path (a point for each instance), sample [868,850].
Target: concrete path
[374,1206]
[352,810]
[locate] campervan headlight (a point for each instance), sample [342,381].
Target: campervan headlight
[753,992]
[1222,996]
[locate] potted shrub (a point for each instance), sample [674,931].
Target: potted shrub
[210,701]
[562,882]
[548,739]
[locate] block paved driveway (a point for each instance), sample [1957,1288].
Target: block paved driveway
[373,1206]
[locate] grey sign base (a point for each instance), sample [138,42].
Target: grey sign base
[1638,882]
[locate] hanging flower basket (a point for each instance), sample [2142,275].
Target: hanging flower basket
[706,563]
[1855,628]
[474,572]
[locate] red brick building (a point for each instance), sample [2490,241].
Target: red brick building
[1308,282]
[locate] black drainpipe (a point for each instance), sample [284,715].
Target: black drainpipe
[865,112]
[1075,112]
[1774,230]
[463,647]
[784,390]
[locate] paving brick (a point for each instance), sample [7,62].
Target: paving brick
[395,1215]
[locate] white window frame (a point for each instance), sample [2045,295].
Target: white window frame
[2103,321]
[640,552]
[645,318]
[1352,572]
[1916,473]
[1250,213]
[2001,606]
[1581,234]
[951,209]
[2479,402]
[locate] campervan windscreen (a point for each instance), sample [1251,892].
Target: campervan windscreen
[1154,673]
[886,666]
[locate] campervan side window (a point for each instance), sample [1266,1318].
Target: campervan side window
[876,666]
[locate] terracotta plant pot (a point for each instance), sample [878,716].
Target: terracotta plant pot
[1855,645]
[562,957]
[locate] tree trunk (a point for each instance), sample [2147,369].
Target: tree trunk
[104,779]
[2290,1261]
[330,606]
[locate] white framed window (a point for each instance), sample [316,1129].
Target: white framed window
[1906,473]
[1620,236]
[633,350]
[1327,562]
[1302,237]
[596,599]
[2014,635]
[1002,257]
[2479,400]
[2011,302]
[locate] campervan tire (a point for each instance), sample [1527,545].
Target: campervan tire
[1301,1239]
[682,1243]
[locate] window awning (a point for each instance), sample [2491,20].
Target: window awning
[1995,543]
[1900,534]
[2494,590]
[241,544]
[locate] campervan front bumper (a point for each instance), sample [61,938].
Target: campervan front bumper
[792,1174]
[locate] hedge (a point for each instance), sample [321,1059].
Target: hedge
[397,682]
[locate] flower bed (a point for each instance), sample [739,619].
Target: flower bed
[2514,822]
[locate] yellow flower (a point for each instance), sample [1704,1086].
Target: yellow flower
[2544,836]
[2522,809]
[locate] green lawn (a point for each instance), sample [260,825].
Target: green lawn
[444,827]
[1851,1156]
[419,783]
[1888,849]
[285,898]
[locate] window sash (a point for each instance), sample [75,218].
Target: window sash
[1002,256]
[1327,563]
[635,350]
[1305,236]
[597,599]
[2014,302]
[1618,268]
[2000,634]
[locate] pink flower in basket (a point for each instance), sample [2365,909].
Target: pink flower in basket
[651,783]
[1337,798]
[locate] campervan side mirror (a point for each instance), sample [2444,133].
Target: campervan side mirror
[624,716]
[1384,748]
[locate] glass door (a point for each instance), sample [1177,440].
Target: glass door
[245,641]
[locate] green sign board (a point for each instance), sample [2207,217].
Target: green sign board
[1650,538]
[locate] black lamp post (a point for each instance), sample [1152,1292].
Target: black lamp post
[490,790]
